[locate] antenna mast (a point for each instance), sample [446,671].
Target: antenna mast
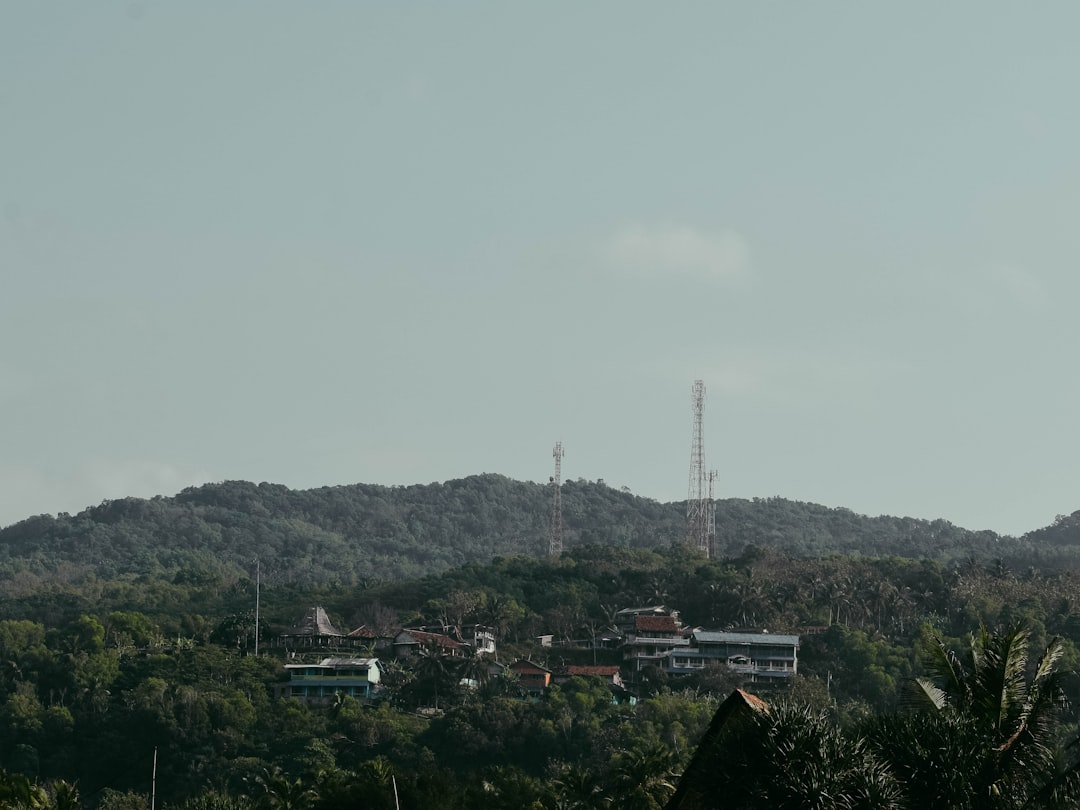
[700,523]
[555,544]
[710,514]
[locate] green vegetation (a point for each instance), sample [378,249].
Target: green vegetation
[351,535]
[981,731]
[129,629]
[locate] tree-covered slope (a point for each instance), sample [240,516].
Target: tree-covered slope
[349,534]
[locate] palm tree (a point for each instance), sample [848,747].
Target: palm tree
[432,669]
[282,793]
[787,757]
[644,778]
[577,788]
[17,791]
[997,715]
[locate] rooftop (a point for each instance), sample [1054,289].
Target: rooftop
[714,637]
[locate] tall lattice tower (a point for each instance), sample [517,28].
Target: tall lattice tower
[698,499]
[555,543]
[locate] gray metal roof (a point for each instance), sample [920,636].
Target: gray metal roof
[711,637]
[339,663]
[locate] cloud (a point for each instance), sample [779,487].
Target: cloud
[675,249]
[27,491]
[1022,287]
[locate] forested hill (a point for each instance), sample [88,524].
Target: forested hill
[347,534]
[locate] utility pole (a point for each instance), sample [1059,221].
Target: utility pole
[555,543]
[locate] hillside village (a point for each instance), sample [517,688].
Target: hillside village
[324,663]
[593,673]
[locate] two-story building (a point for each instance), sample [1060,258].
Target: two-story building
[317,684]
[533,678]
[652,640]
[758,657]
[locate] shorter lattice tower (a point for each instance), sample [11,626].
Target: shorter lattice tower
[555,543]
[710,514]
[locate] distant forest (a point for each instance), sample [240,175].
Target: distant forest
[363,534]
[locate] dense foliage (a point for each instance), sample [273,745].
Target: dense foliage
[348,535]
[95,678]
[128,630]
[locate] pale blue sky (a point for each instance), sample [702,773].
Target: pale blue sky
[329,243]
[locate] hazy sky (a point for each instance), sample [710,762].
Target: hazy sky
[328,243]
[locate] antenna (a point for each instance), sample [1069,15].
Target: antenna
[555,544]
[710,514]
[699,499]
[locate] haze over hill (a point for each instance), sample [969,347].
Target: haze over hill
[347,534]
[389,243]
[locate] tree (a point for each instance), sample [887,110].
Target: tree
[17,791]
[1003,715]
[433,670]
[282,793]
[644,777]
[788,757]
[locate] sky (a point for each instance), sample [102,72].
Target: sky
[398,243]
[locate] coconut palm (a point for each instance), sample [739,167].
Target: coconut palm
[282,793]
[998,713]
[17,791]
[644,778]
[433,670]
[789,757]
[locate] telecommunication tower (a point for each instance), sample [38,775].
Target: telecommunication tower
[555,543]
[711,514]
[700,515]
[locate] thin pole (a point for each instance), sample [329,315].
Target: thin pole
[153,781]
[393,780]
[258,582]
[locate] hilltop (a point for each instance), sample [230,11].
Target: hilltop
[362,532]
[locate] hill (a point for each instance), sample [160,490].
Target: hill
[361,533]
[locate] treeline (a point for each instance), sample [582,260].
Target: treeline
[351,535]
[96,676]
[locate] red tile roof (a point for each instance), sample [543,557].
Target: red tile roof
[437,639]
[521,665]
[656,624]
[601,670]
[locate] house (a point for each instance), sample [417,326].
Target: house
[534,679]
[362,636]
[314,631]
[409,642]
[609,674]
[759,657]
[625,618]
[479,637]
[318,684]
[652,639]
